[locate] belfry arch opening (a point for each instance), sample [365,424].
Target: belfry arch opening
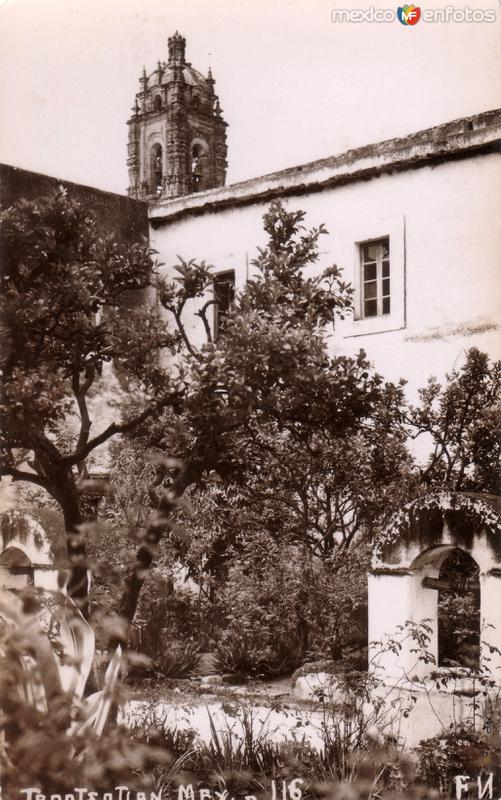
[196,166]
[156,169]
[458,611]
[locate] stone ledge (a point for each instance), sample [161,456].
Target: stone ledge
[461,138]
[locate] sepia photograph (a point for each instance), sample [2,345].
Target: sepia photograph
[250,412]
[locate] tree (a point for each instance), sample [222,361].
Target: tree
[69,305]
[267,405]
[276,434]
[314,443]
[461,420]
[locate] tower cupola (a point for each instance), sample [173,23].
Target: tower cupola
[177,135]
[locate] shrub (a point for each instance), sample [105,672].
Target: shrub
[463,752]
[277,619]
[38,747]
[246,657]
[166,604]
[243,759]
[177,659]
[165,628]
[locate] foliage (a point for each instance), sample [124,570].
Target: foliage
[263,436]
[465,752]
[270,368]
[458,612]
[39,743]
[276,436]
[464,515]
[244,758]
[166,627]
[274,471]
[177,659]
[275,619]
[469,742]
[69,306]
[462,420]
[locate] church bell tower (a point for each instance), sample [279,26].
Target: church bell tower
[177,135]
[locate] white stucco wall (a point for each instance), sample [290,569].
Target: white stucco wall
[445,239]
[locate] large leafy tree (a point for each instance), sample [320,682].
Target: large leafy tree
[279,435]
[71,301]
[309,442]
[295,438]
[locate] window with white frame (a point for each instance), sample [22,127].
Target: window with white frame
[376,247]
[375,299]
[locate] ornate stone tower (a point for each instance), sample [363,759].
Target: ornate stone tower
[177,136]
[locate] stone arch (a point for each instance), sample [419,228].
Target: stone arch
[459,624]
[157,102]
[30,553]
[33,553]
[404,581]
[156,168]
[199,164]
[16,567]
[447,593]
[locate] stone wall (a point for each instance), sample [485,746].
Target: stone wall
[115,213]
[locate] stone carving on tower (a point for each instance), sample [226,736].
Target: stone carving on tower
[177,135]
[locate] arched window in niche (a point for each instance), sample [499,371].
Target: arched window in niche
[459,611]
[19,567]
[156,169]
[157,103]
[196,167]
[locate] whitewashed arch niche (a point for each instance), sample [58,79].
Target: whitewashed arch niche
[33,558]
[27,554]
[443,546]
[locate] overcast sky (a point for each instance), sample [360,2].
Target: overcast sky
[293,85]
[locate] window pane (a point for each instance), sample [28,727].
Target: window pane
[370,290]
[370,308]
[386,305]
[370,272]
[371,251]
[386,269]
[386,287]
[385,247]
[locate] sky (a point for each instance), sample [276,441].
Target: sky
[294,86]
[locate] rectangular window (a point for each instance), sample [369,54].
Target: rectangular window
[224,295]
[375,277]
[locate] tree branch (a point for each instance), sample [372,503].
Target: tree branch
[80,392]
[201,313]
[183,333]
[21,475]
[82,452]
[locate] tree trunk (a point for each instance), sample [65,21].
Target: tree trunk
[78,583]
[137,572]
